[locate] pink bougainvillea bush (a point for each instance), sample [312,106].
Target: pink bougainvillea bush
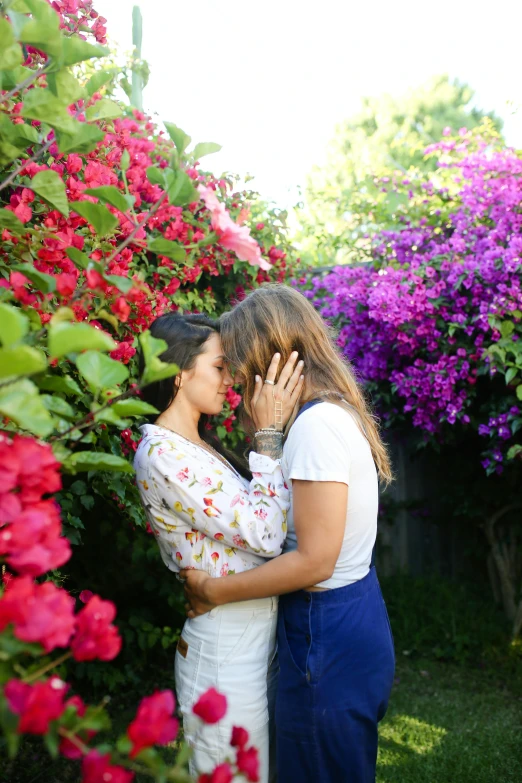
[433,321]
[107,221]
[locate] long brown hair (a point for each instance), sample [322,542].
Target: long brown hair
[277,318]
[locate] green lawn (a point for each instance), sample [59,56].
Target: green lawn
[446,724]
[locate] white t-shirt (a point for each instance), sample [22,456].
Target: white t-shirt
[326,444]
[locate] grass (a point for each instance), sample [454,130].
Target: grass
[445,724]
[448,724]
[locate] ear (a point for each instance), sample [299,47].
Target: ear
[178,380]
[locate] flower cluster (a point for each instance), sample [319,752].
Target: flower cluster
[438,312]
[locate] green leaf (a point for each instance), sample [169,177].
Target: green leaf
[156,176]
[519,391]
[205,148]
[82,138]
[125,160]
[101,372]
[110,195]
[181,188]
[123,284]
[40,104]
[506,328]
[51,187]
[511,373]
[44,34]
[124,745]
[59,406]
[10,50]
[44,283]
[103,221]
[23,134]
[52,740]
[21,360]
[514,451]
[9,220]
[133,408]
[178,136]
[81,260]
[14,325]
[64,85]
[59,383]
[95,460]
[165,247]
[96,719]
[67,338]
[99,80]
[21,402]
[155,369]
[104,109]
[76,50]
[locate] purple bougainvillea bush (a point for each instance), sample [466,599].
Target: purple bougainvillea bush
[433,321]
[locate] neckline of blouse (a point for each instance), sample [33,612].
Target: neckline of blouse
[223,461]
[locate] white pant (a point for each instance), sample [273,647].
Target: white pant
[232,649]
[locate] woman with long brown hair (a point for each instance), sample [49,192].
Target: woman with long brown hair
[335,646]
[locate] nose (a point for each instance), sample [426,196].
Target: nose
[227,379]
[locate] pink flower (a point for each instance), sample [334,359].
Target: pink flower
[97,768]
[32,543]
[231,236]
[74,164]
[121,309]
[233,398]
[85,596]
[247,761]
[39,613]
[211,706]
[30,466]
[65,284]
[95,636]
[37,705]
[124,352]
[239,737]
[153,724]
[221,774]
[183,475]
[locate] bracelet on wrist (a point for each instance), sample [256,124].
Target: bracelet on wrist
[268,431]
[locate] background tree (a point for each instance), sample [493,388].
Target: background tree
[387,138]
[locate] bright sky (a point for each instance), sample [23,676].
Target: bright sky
[269,80]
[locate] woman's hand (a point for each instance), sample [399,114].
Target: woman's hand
[196,592]
[285,391]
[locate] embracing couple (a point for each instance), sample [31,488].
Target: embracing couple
[285,612]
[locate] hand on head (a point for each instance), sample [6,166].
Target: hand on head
[273,401]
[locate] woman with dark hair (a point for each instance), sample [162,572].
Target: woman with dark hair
[335,646]
[206,514]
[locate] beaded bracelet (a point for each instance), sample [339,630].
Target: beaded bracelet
[268,431]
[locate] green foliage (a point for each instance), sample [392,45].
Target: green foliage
[386,139]
[436,618]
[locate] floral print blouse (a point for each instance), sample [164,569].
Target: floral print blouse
[203,513]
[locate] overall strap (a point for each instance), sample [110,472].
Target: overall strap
[307,405]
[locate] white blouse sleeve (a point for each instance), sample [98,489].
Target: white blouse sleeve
[218,505]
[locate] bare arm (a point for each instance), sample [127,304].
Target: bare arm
[319,514]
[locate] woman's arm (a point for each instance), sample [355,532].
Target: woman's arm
[319,518]
[217,505]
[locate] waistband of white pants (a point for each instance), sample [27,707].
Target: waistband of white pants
[246,606]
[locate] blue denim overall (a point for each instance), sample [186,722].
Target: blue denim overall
[337,665]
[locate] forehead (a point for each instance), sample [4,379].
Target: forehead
[212,347]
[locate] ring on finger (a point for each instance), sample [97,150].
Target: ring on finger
[271,383]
